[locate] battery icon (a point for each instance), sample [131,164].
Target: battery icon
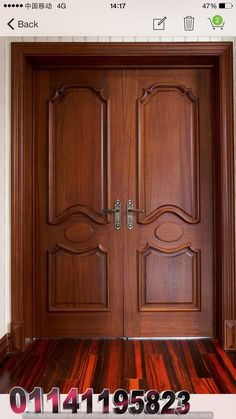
[225,5]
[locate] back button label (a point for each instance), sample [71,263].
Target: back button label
[28,24]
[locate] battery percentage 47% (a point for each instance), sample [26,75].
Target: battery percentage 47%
[210,6]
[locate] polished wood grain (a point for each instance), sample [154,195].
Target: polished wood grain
[78,284]
[75,284]
[168,142]
[78,165]
[27,60]
[169,232]
[198,366]
[78,232]
[170,178]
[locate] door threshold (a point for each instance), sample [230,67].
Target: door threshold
[126,338]
[169,338]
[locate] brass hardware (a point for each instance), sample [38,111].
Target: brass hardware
[116,210]
[129,212]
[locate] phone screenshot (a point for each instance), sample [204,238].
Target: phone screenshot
[117,209]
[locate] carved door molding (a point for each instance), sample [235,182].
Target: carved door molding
[26,59]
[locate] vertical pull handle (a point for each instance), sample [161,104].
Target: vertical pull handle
[116,210]
[130,210]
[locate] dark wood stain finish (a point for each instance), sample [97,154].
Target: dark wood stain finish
[4,346]
[78,288]
[198,366]
[56,64]
[169,152]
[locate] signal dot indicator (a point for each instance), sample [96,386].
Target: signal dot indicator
[13,5]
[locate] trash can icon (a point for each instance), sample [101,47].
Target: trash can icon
[189,23]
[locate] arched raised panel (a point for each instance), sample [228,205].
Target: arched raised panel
[78,137]
[168,153]
[169,279]
[78,280]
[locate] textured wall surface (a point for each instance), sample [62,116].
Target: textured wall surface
[5,159]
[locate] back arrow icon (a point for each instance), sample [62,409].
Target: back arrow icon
[9,24]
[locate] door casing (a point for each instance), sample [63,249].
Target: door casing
[26,57]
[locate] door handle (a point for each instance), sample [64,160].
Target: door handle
[136,210]
[129,213]
[116,210]
[110,210]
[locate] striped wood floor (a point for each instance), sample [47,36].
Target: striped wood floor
[198,366]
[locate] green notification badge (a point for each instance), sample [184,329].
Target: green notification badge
[217,20]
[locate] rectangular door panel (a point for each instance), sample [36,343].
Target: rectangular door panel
[80,110]
[170,248]
[168,152]
[169,281]
[78,267]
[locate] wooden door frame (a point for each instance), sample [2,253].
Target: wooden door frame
[26,58]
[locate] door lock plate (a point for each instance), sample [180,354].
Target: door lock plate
[117,214]
[130,216]
[116,211]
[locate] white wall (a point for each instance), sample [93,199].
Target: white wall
[5,293]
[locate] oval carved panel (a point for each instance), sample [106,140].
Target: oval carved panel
[78,232]
[169,232]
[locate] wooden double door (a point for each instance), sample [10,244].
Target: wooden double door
[123,229]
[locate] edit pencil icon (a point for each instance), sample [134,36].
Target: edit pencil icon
[159,24]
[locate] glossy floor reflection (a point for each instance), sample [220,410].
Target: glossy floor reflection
[198,366]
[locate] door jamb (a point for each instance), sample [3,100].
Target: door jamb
[26,58]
